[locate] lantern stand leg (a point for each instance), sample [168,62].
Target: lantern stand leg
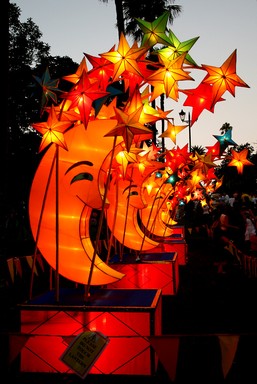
[57,277]
[39,227]
[148,221]
[113,226]
[127,207]
[87,288]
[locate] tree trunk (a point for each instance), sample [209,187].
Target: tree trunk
[119,16]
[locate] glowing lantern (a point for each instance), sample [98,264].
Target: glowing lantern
[124,59]
[225,140]
[165,79]
[172,131]
[52,130]
[83,95]
[239,160]
[178,48]
[155,32]
[223,78]
[200,98]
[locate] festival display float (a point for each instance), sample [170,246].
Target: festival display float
[100,154]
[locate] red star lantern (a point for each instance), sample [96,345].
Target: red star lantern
[223,78]
[102,69]
[199,99]
[83,95]
[214,150]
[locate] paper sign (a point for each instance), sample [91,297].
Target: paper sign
[83,352]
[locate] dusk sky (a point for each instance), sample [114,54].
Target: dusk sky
[74,27]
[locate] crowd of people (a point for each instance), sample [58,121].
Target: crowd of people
[225,220]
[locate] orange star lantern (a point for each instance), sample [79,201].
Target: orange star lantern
[239,160]
[128,126]
[172,131]
[52,130]
[74,78]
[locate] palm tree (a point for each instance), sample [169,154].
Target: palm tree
[199,149]
[119,15]
[146,10]
[128,10]
[225,127]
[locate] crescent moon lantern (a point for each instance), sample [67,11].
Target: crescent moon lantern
[127,229]
[152,215]
[75,247]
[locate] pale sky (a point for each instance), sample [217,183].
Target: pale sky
[74,27]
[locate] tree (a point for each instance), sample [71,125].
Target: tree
[146,10]
[199,149]
[128,10]
[28,55]
[119,15]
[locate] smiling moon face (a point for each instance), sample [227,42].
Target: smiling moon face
[125,202]
[77,193]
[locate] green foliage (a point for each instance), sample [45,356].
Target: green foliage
[199,149]
[28,55]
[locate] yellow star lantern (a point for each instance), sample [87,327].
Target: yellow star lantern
[151,151]
[124,158]
[172,131]
[166,78]
[143,162]
[239,160]
[194,181]
[124,59]
[52,130]
[224,78]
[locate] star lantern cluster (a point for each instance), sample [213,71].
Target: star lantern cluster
[120,86]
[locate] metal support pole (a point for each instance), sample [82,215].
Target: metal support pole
[189,132]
